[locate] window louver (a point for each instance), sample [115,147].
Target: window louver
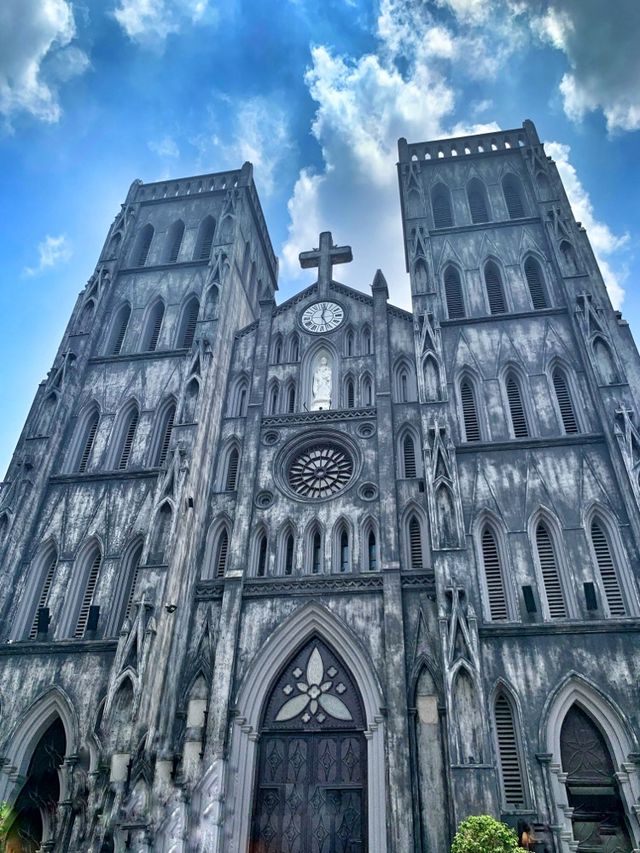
[350,395]
[415,543]
[189,324]
[206,239]
[123,322]
[128,441]
[453,294]
[291,400]
[533,275]
[166,436]
[607,570]
[442,216]
[232,471]
[221,557]
[469,411]
[478,206]
[156,324]
[135,571]
[550,574]
[512,782]
[44,592]
[495,293]
[513,198]
[516,408]
[409,458]
[89,590]
[176,235]
[144,245]
[92,428]
[564,402]
[493,576]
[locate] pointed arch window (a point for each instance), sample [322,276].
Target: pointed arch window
[239,407]
[188,321]
[222,552]
[261,555]
[366,341]
[516,408]
[372,552]
[231,477]
[294,348]
[414,531]
[316,552]
[127,436]
[164,431]
[512,189]
[118,330]
[607,569]
[289,550]
[349,348]
[535,283]
[90,429]
[441,205]
[565,404]
[367,392]
[344,549]
[403,384]
[143,244]
[511,773]
[477,198]
[409,466]
[349,394]
[174,242]
[469,410]
[212,298]
[550,572]
[277,350]
[152,328]
[132,570]
[46,570]
[274,398]
[90,572]
[493,575]
[569,256]
[453,293]
[160,544]
[604,362]
[495,290]
[291,398]
[204,240]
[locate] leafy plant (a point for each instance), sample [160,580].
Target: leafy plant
[484,834]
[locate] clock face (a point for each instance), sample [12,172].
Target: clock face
[322,317]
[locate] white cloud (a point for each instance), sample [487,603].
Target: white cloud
[51,251]
[36,56]
[603,241]
[149,22]
[165,148]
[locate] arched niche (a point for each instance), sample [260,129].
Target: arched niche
[313,360]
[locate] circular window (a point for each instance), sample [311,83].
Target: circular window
[264,499]
[320,470]
[368,491]
[366,430]
[271,437]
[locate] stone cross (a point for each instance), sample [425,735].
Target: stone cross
[324,258]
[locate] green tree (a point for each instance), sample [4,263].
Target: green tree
[484,834]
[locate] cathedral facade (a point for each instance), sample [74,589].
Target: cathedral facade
[329,576]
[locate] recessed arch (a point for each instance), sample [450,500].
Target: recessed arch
[123,436]
[547,544]
[84,583]
[152,326]
[453,294]
[162,432]
[173,242]
[43,570]
[140,253]
[216,551]
[125,591]
[404,381]
[188,322]
[513,196]
[441,206]
[204,240]
[536,283]
[118,330]
[163,522]
[238,397]
[477,200]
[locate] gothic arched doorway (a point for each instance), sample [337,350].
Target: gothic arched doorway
[311,781]
[598,817]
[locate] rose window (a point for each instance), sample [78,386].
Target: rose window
[320,471]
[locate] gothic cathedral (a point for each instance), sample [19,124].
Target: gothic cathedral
[328,576]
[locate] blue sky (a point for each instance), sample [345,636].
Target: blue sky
[94,93]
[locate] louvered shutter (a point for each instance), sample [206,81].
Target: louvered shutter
[564,402]
[122,323]
[144,245]
[516,408]
[291,401]
[221,557]
[512,781]
[536,286]
[350,395]
[415,543]
[513,198]
[478,206]
[442,216]
[206,239]
[166,436]
[232,471]
[156,323]
[44,592]
[469,411]
[176,237]
[189,324]
[409,457]
[89,590]
[92,428]
[607,569]
[495,293]
[550,574]
[135,571]
[453,294]
[127,444]
[493,576]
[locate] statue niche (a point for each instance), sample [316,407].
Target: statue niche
[322,384]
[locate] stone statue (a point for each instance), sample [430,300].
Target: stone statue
[321,386]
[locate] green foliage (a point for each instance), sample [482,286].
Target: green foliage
[6,815]
[484,834]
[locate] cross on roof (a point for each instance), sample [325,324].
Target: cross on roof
[325,257]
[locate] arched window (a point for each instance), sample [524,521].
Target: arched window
[239,399]
[403,385]
[493,575]
[420,275]
[409,466]
[535,282]
[294,348]
[143,244]
[231,474]
[404,382]
[516,407]
[414,535]
[118,330]
[372,552]
[277,350]
[162,438]
[544,187]
[289,550]
[604,362]
[431,373]
[274,398]
[563,397]
[291,398]
[441,205]
[152,328]
[204,240]
[261,555]
[173,242]
[550,573]
[192,392]
[367,392]
[89,572]
[45,569]
[211,300]
[453,293]
[366,341]
[569,257]
[469,410]
[316,552]
[349,348]
[495,292]
[127,433]
[344,549]
[349,394]
[131,570]
[511,773]
[512,190]
[89,429]
[477,198]
[159,549]
[187,327]
[222,552]
[607,568]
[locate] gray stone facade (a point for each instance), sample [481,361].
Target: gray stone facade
[329,575]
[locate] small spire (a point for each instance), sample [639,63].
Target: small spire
[380,283]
